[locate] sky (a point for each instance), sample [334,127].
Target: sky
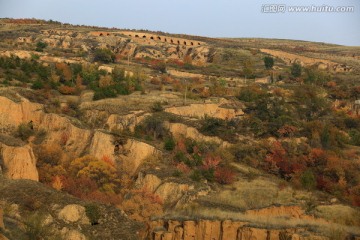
[210,18]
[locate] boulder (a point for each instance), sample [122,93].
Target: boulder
[72,235]
[73,213]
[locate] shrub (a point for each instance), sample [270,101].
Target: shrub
[269,62]
[296,70]
[93,213]
[24,131]
[211,125]
[66,90]
[37,85]
[155,126]
[224,175]
[105,92]
[355,137]
[308,180]
[196,175]
[104,55]
[40,46]
[169,144]
[157,107]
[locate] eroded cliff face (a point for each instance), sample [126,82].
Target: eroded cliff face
[134,153]
[207,109]
[22,111]
[19,162]
[220,230]
[68,133]
[179,130]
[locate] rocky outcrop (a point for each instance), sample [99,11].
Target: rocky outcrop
[150,182]
[284,211]
[19,110]
[207,109]
[72,234]
[73,213]
[125,122]
[60,130]
[134,153]
[102,145]
[220,230]
[179,130]
[18,162]
[171,192]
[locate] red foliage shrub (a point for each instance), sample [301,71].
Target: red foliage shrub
[79,187]
[211,162]
[64,138]
[67,90]
[183,167]
[108,160]
[287,130]
[224,175]
[318,157]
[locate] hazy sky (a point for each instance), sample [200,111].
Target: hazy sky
[213,18]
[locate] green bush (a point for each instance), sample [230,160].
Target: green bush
[157,107]
[296,70]
[354,137]
[308,180]
[211,126]
[40,46]
[24,131]
[105,92]
[37,85]
[196,175]
[93,213]
[269,62]
[104,55]
[169,144]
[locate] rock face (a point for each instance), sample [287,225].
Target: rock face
[170,192]
[149,182]
[13,113]
[179,130]
[59,129]
[219,230]
[202,110]
[123,122]
[134,154]
[102,145]
[19,162]
[73,213]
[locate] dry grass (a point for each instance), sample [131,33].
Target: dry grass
[257,193]
[340,214]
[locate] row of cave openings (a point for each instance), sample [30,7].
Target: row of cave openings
[158,38]
[166,40]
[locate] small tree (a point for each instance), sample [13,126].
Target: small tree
[308,180]
[296,70]
[269,62]
[248,68]
[40,46]
[104,55]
